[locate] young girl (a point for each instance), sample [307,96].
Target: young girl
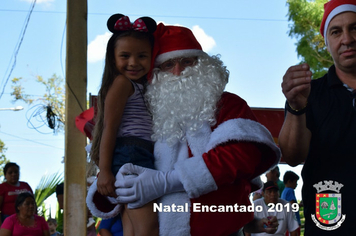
[123,126]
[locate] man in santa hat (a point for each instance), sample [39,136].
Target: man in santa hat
[320,127]
[209,148]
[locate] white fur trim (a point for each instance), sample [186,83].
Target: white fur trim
[88,148]
[196,183]
[116,208]
[333,13]
[178,53]
[172,223]
[242,130]
[197,140]
[195,176]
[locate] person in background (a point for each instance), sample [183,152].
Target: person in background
[10,189]
[257,194]
[25,222]
[60,198]
[284,215]
[320,126]
[111,227]
[52,224]
[273,175]
[290,180]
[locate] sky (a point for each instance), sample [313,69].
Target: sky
[251,37]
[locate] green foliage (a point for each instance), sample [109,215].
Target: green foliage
[52,101]
[45,189]
[306,16]
[3,159]
[302,220]
[19,92]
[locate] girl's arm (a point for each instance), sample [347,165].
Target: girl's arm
[114,105]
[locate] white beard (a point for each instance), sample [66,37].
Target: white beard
[181,104]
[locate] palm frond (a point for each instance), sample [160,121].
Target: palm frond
[47,187]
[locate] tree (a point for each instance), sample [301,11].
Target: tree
[3,159]
[48,109]
[306,16]
[45,189]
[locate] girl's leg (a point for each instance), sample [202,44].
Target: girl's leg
[144,220]
[126,223]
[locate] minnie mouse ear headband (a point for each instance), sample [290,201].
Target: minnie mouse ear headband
[333,8]
[118,23]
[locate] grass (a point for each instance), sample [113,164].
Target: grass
[302,220]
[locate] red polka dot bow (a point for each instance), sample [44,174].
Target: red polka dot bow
[124,23]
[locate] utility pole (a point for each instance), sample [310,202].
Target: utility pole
[75,213]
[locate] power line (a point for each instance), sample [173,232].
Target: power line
[165,16]
[29,140]
[14,56]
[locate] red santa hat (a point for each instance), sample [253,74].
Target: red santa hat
[174,41]
[333,8]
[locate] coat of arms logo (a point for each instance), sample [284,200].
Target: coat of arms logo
[328,214]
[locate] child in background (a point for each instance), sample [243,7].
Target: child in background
[52,224]
[123,127]
[111,227]
[290,180]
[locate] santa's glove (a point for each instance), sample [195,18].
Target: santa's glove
[146,185]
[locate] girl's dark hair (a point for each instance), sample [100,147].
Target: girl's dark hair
[21,198]
[8,165]
[111,72]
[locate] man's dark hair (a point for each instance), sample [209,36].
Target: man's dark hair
[60,189]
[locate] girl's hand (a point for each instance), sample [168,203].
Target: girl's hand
[105,183]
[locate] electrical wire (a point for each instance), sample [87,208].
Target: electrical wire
[14,56]
[61,59]
[41,115]
[30,140]
[165,16]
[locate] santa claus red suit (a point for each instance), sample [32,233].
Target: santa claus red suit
[209,139]
[224,160]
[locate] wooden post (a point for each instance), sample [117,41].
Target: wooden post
[75,213]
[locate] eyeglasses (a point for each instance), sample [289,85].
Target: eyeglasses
[183,63]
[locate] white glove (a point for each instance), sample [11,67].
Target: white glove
[146,185]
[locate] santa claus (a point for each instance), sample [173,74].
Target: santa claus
[209,147]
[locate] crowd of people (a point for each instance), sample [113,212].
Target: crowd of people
[169,141]
[18,206]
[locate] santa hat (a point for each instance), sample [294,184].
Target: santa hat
[333,8]
[174,41]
